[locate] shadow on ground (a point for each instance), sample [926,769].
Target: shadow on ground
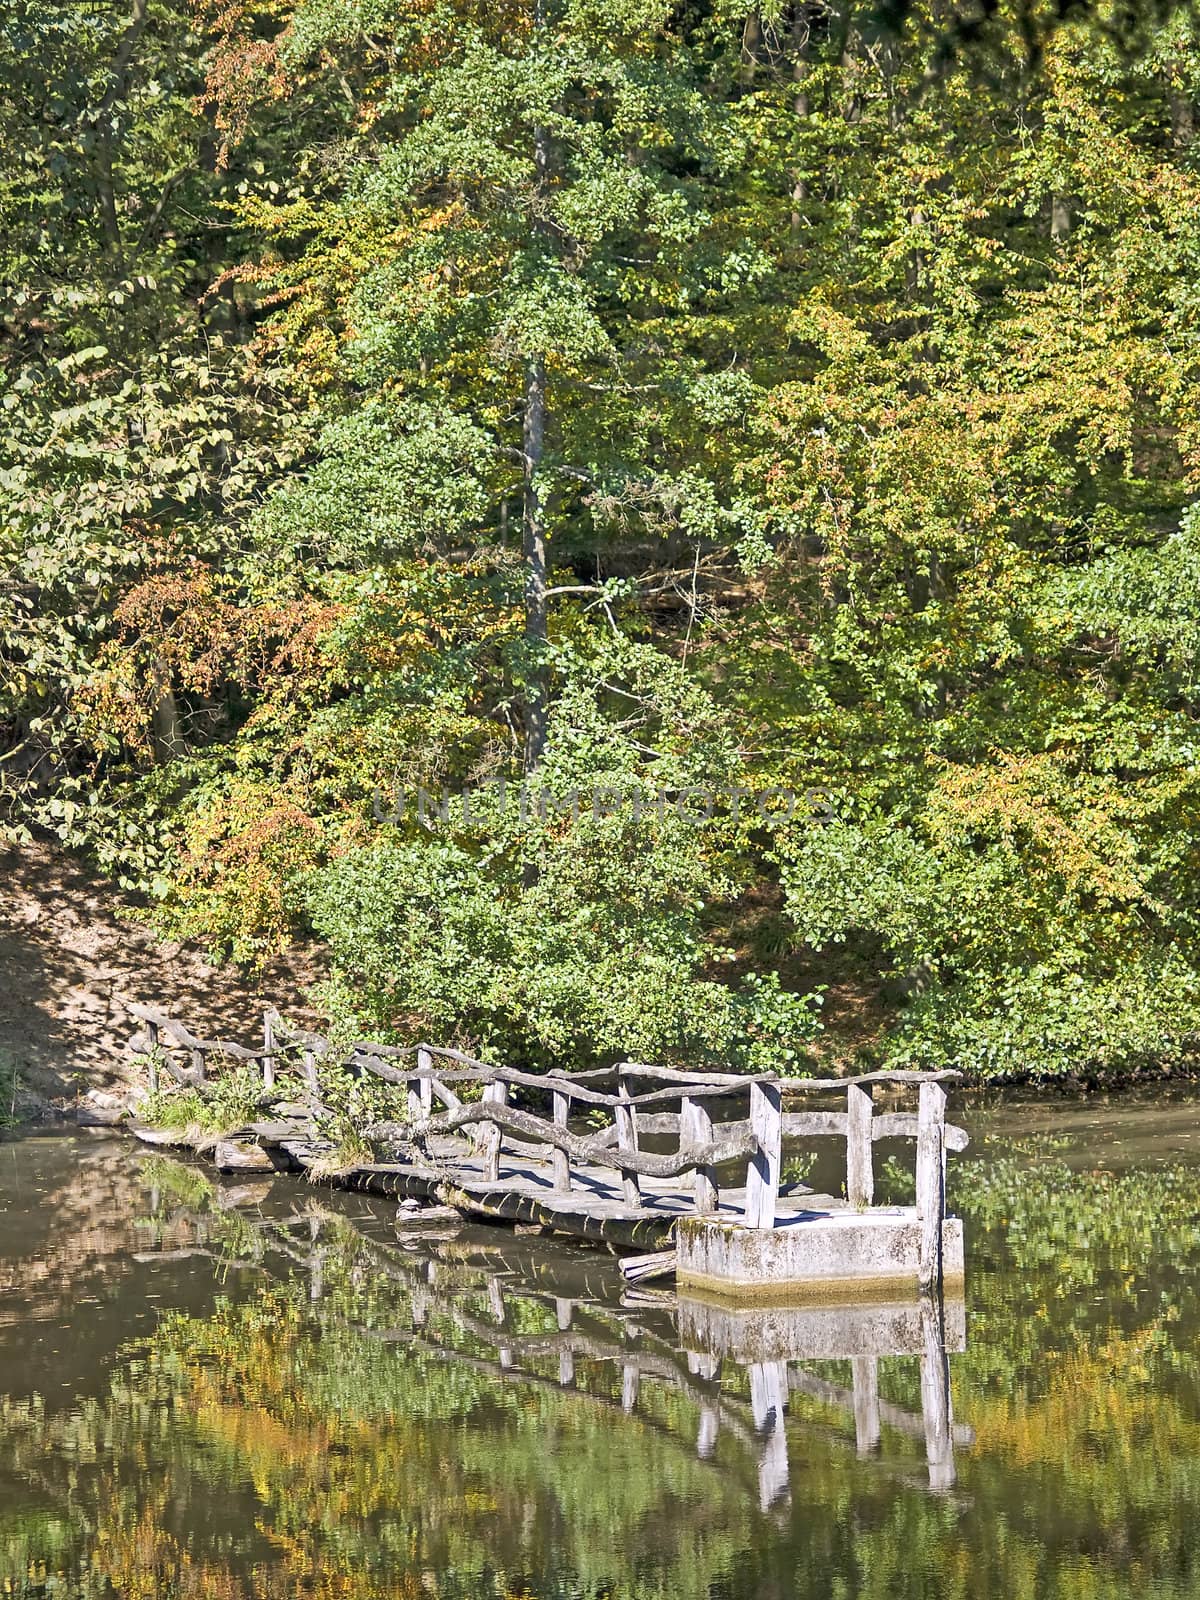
[72,951]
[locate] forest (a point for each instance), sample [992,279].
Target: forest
[653,531]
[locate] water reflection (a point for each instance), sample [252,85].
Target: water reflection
[268,1390]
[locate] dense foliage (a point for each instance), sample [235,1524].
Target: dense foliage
[663,402]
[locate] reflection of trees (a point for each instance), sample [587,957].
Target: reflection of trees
[469,1419]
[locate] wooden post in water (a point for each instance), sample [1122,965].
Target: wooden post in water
[268,1060]
[695,1127]
[860,1172]
[496,1301]
[559,1159]
[867,1432]
[626,1120]
[762,1173]
[707,1431]
[935,1396]
[768,1396]
[630,1377]
[931,1183]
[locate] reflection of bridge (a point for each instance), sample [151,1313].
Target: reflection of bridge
[469,1296]
[690,1160]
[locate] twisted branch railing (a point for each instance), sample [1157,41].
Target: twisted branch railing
[430,1073]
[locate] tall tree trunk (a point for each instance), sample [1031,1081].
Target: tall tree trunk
[801,30]
[751,49]
[533,531]
[166,731]
[118,88]
[534,550]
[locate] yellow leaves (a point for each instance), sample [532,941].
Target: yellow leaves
[1073,828]
[1101,1393]
[840,337]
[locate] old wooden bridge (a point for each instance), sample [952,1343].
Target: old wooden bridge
[686,1165]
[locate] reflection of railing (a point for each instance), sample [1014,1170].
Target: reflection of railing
[469,1301]
[639,1102]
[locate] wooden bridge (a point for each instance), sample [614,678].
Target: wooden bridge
[642,1157]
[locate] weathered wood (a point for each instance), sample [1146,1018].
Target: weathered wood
[931,1197]
[884,1125]
[425,1086]
[179,1035]
[241,1155]
[444,1173]
[814,1124]
[905,1125]
[496,1094]
[268,1059]
[860,1176]
[762,1175]
[310,1068]
[583,1151]
[695,1131]
[627,1143]
[637,1069]
[152,1031]
[658,1264]
[560,1160]
[543,1082]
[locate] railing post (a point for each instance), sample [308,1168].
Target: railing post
[198,1066]
[152,1034]
[559,1159]
[931,1182]
[268,1060]
[310,1068]
[626,1120]
[860,1173]
[425,1085]
[494,1094]
[762,1173]
[695,1128]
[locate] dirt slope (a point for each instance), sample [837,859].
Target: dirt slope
[70,953]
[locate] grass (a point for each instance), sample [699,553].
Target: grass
[223,1104]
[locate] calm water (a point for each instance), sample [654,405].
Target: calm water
[236,1391]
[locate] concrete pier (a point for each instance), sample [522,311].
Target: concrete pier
[821,1255]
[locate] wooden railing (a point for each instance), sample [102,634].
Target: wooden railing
[637,1099]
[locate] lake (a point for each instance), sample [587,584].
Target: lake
[221,1389]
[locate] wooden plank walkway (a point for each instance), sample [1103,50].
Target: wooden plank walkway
[523,1190]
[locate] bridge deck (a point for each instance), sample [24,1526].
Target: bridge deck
[595,1206]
